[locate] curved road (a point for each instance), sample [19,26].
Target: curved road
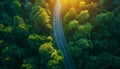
[60,38]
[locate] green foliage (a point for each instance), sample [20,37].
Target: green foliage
[30,63]
[55,61]
[84,44]
[46,49]
[40,2]
[9,51]
[16,6]
[39,13]
[50,56]
[49,39]
[21,53]
[1,45]
[71,28]
[20,28]
[35,41]
[10,62]
[22,33]
[116,25]
[8,54]
[82,4]
[94,43]
[83,16]
[105,17]
[83,31]
[5,31]
[69,15]
[92,31]
[40,18]
[73,25]
[27,66]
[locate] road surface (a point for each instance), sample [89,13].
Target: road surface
[60,38]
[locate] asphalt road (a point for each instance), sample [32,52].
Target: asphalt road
[60,38]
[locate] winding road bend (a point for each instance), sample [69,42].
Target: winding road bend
[60,38]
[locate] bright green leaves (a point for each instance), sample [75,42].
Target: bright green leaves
[27,66]
[46,49]
[19,22]
[41,19]
[21,29]
[39,15]
[85,29]
[69,15]
[30,63]
[73,25]
[5,31]
[82,4]
[56,60]
[83,16]
[75,51]
[50,54]
[102,25]
[9,50]
[25,26]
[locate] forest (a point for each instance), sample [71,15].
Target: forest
[91,29]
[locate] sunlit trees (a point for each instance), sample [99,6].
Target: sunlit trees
[21,29]
[40,18]
[92,37]
[5,31]
[69,15]
[30,63]
[71,28]
[28,66]
[91,7]
[91,27]
[39,13]
[83,16]
[56,60]
[51,56]
[22,33]
[82,4]
[73,25]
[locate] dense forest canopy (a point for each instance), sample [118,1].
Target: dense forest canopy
[91,28]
